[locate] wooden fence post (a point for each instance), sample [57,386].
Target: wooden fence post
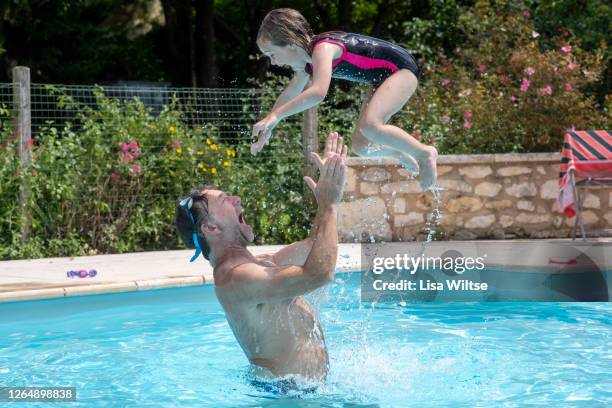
[310,141]
[23,129]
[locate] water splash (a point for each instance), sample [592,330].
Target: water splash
[433,220]
[373,148]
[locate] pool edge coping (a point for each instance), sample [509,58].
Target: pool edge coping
[115,287]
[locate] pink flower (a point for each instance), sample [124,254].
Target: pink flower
[529,71]
[513,98]
[467,114]
[467,124]
[445,82]
[566,49]
[130,150]
[114,176]
[526,13]
[547,90]
[568,86]
[570,65]
[445,119]
[525,85]
[134,146]
[136,168]
[535,34]
[482,68]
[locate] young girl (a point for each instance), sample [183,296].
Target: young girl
[391,71]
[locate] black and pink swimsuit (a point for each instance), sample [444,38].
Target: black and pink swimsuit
[365,59]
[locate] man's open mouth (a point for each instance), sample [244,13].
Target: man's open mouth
[240,216]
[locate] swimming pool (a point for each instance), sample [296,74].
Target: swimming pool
[173,347]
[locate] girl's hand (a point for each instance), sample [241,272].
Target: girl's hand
[262,130]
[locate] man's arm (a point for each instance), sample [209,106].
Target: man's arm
[255,283]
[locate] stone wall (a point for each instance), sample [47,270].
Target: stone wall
[499,196]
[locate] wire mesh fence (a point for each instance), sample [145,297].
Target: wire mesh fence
[104,155]
[231,111]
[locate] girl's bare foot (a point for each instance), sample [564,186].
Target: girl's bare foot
[427,164]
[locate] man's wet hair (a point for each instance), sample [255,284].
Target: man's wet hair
[184,224]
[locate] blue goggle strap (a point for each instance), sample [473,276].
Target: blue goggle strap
[186,204]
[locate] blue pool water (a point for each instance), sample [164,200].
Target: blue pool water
[173,347]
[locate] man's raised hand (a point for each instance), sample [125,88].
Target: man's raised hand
[328,190]
[334,145]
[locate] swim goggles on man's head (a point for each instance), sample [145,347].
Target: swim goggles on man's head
[186,205]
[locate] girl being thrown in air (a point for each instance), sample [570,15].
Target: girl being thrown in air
[391,72]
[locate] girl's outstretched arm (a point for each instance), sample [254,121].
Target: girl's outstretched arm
[322,58]
[295,87]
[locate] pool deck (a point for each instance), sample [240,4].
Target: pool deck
[47,278]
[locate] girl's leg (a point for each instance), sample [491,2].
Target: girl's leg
[365,148]
[389,98]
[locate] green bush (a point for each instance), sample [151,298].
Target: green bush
[586,21]
[110,184]
[10,181]
[501,91]
[272,192]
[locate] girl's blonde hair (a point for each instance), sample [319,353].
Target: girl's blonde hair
[285,26]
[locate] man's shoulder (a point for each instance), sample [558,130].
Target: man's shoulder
[241,284]
[247,271]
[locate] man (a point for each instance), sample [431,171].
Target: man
[263,295]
